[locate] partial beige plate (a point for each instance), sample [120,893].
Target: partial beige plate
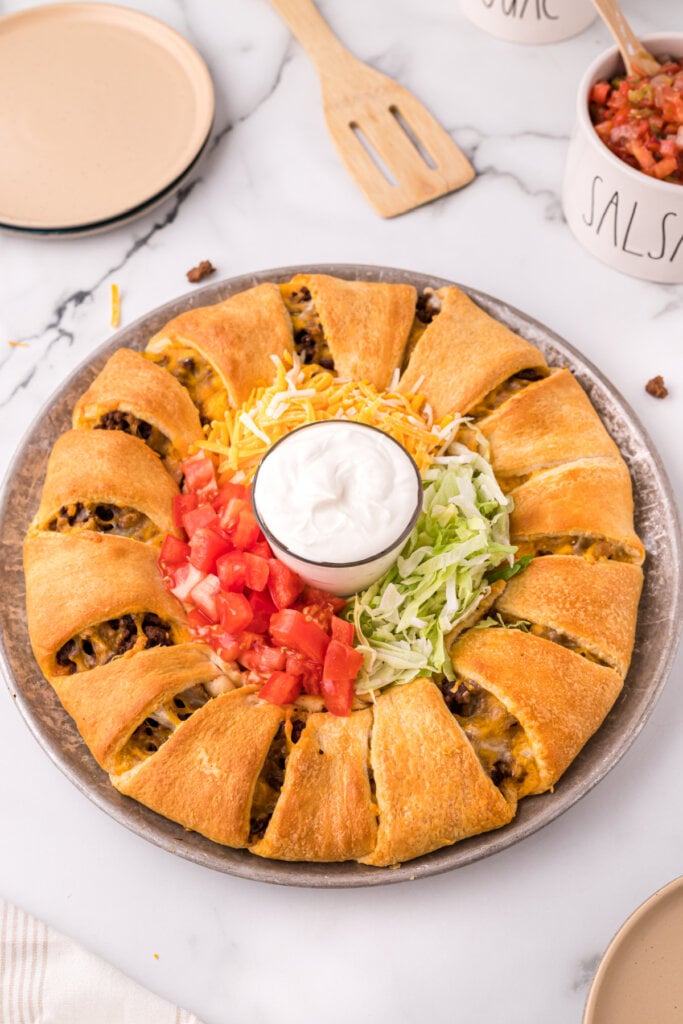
[103,109]
[640,978]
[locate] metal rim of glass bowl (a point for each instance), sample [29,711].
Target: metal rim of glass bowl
[659,621]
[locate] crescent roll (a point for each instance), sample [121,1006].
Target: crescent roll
[358,327]
[109,482]
[464,355]
[590,607]
[325,810]
[133,395]
[205,774]
[431,790]
[549,422]
[221,353]
[558,698]
[91,598]
[583,507]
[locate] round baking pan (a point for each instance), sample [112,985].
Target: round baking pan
[640,977]
[104,110]
[659,620]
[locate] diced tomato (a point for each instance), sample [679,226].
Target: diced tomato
[230,513]
[186,578]
[309,671]
[183,503]
[207,545]
[262,549]
[263,609]
[600,92]
[247,531]
[198,518]
[173,551]
[284,584]
[226,646]
[198,621]
[231,570]
[256,571]
[226,492]
[342,631]
[665,167]
[338,696]
[281,688]
[264,659]
[313,595]
[199,472]
[234,612]
[320,613]
[289,628]
[341,661]
[204,595]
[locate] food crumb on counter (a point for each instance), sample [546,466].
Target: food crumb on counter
[203,269]
[155,955]
[115,318]
[656,387]
[18,344]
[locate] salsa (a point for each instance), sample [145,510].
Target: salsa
[640,118]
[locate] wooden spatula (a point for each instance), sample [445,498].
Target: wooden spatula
[399,156]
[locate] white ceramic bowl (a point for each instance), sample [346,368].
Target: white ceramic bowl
[629,220]
[293,480]
[530,21]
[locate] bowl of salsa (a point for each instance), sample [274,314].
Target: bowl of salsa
[623,185]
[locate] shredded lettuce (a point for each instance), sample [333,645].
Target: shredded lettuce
[441,575]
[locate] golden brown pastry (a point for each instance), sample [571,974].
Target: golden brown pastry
[220,353]
[431,790]
[205,773]
[133,395]
[325,810]
[558,697]
[583,508]
[464,356]
[358,327]
[109,482]
[547,423]
[91,598]
[587,606]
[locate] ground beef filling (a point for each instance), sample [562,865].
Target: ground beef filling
[507,389]
[115,419]
[593,549]
[196,375]
[309,338]
[100,644]
[160,724]
[270,780]
[428,306]
[556,636]
[498,739]
[103,518]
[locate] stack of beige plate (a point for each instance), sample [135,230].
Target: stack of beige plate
[105,113]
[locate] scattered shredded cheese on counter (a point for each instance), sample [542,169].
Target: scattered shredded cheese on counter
[115,306]
[303,393]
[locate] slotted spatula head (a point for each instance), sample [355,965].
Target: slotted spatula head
[398,154]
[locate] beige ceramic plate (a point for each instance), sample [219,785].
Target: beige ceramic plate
[103,108]
[640,978]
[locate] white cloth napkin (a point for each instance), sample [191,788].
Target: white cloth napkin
[46,978]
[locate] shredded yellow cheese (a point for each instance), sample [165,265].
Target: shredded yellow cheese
[301,394]
[115,306]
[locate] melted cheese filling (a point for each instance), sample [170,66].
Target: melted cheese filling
[99,644]
[593,549]
[196,375]
[309,338]
[123,521]
[507,389]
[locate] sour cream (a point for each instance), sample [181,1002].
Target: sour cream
[337,500]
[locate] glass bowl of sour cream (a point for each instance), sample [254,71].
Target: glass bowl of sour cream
[336,501]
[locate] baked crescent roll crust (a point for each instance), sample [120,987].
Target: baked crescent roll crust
[593,604]
[76,581]
[204,776]
[366,324]
[110,702]
[558,697]
[589,498]
[550,422]
[430,788]
[131,384]
[325,810]
[237,337]
[108,467]
[463,355]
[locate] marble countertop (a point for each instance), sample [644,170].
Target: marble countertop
[517,936]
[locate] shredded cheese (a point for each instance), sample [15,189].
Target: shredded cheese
[301,394]
[115,306]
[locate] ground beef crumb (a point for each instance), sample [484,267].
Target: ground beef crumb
[656,387]
[203,269]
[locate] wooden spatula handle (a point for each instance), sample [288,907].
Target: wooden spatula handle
[314,34]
